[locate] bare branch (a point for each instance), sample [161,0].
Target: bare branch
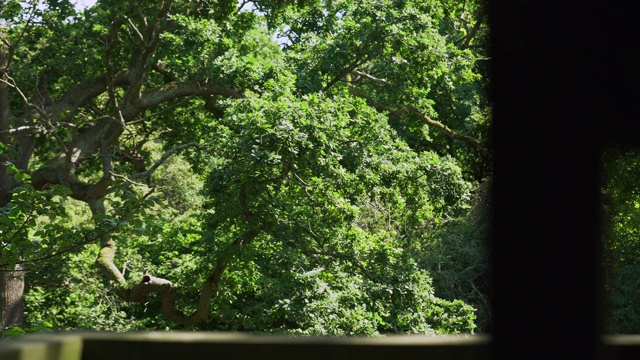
[113,100]
[370,77]
[359,60]
[179,89]
[99,189]
[39,109]
[151,39]
[164,158]
[146,174]
[242,4]
[135,29]
[128,180]
[81,93]
[36,128]
[13,85]
[107,127]
[468,139]
[149,284]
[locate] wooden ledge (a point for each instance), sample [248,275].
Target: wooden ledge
[227,345]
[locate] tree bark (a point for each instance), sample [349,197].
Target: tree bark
[11,279]
[11,297]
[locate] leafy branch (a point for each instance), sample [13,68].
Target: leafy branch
[403,110]
[88,237]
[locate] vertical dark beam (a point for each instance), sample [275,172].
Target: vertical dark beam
[546,77]
[621,126]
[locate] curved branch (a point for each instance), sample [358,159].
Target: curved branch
[146,174]
[442,127]
[150,284]
[178,89]
[81,93]
[41,99]
[359,60]
[403,109]
[167,75]
[99,189]
[59,170]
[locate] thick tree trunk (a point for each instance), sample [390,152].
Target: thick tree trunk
[11,297]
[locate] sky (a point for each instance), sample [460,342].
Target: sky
[81,4]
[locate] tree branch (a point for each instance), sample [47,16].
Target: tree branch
[55,172]
[168,108]
[151,39]
[465,41]
[179,89]
[359,60]
[440,126]
[351,259]
[150,171]
[111,92]
[135,29]
[150,284]
[370,77]
[99,189]
[167,75]
[87,240]
[402,110]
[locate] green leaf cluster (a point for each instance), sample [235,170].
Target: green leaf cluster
[621,249]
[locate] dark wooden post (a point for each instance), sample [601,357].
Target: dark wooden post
[547,107]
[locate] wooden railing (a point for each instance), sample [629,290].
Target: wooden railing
[230,346]
[212,345]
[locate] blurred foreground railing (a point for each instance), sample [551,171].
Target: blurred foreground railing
[228,346]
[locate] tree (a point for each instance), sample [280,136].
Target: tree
[304,146]
[620,203]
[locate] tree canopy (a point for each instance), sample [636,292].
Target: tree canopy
[312,167]
[620,203]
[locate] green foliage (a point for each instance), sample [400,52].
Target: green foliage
[337,190]
[70,295]
[406,52]
[456,256]
[367,219]
[15,330]
[22,237]
[159,237]
[332,299]
[621,201]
